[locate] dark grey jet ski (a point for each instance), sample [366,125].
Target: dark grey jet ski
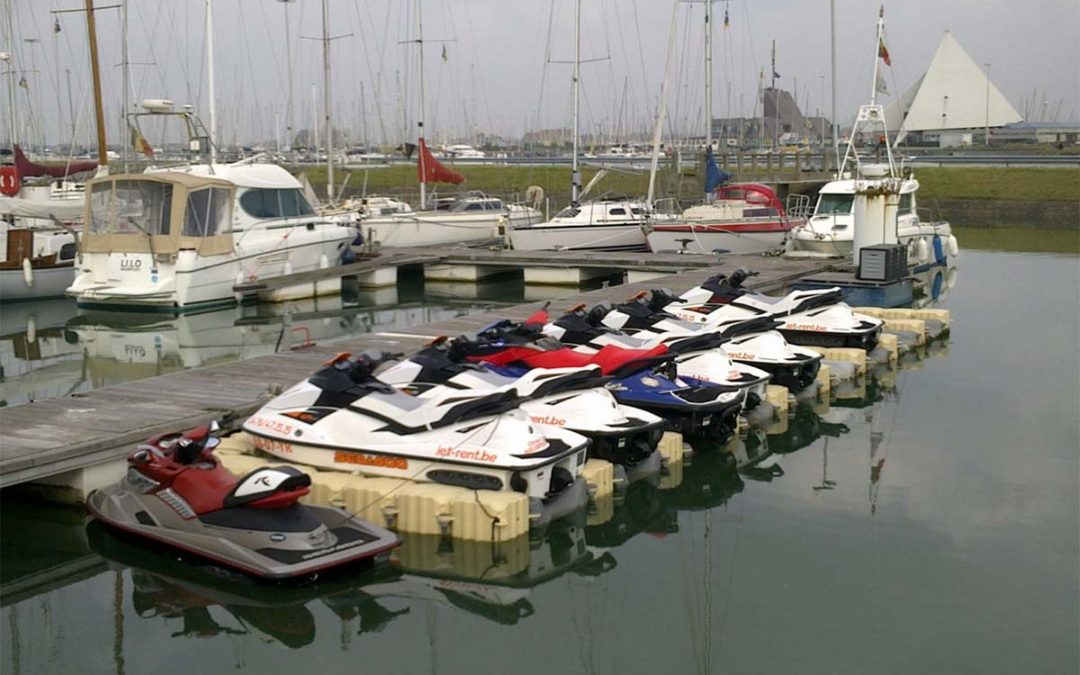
[178,493]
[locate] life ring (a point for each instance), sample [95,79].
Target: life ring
[10,183]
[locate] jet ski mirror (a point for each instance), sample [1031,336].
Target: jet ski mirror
[576,308]
[438,342]
[340,357]
[638,297]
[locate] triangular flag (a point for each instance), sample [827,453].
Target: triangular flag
[428,169]
[445,58]
[883,53]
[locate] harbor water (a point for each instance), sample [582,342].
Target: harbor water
[926,521]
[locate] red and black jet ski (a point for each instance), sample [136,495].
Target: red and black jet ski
[177,492]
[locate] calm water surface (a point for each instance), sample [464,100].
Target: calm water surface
[927,522]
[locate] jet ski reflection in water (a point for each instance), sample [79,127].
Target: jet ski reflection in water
[210,601]
[556,398]
[178,493]
[812,317]
[345,418]
[644,379]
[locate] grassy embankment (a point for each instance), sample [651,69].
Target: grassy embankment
[991,183]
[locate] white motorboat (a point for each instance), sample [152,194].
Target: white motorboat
[470,217]
[463,152]
[175,240]
[601,225]
[830,230]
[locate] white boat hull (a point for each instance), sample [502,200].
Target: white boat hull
[435,228]
[687,238]
[607,237]
[47,282]
[136,280]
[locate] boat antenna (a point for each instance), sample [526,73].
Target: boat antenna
[210,81]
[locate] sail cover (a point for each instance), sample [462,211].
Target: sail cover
[30,169]
[428,169]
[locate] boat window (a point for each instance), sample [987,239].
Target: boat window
[265,203]
[617,212]
[207,212]
[831,205]
[907,202]
[637,211]
[766,212]
[475,206]
[130,207]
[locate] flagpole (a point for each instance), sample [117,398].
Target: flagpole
[776,98]
[210,81]
[832,57]
[877,55]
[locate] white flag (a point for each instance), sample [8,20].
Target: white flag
[879,86]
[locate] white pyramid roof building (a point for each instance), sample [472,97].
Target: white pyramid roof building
[950,95]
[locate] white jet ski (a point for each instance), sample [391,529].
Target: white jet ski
[344,418]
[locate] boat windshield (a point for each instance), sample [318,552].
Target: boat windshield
[131,207]
[834,205]
[265,203]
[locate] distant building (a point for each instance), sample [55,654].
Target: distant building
[781,122]
[951,104]
[549,137]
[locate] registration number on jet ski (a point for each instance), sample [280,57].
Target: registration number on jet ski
[362,459]
[272,445]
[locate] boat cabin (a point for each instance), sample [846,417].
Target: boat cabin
[158,213]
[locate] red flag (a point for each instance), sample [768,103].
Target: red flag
[883,53]
[428,169]
[139,142]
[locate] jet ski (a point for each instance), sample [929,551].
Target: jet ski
[345,418]
[697,354]
[554,398]
[644,379]
[750,341]
[178,493]
[815,317]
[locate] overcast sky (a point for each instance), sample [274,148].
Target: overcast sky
[496,75]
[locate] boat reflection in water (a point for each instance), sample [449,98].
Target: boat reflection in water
[124,346]
[38,360]
[208,601]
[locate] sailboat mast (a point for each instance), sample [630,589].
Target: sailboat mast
[575,173]
[658,128]
[832,82]
[9,59]
[99,108]
[708,74]
[210,81]
[289,64]
[328,111]
[420,109]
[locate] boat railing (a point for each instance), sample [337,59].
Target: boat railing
[799,206]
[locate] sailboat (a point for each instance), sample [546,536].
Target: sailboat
[737,217]
[470,217]
[601,225]
[830,229]
[37,245]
